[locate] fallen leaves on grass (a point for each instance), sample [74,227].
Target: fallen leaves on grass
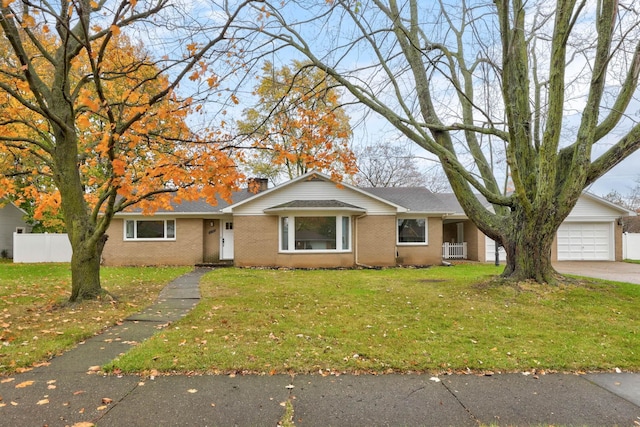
[37,322]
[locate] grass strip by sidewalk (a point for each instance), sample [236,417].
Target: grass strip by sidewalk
[395,320]
[35,322]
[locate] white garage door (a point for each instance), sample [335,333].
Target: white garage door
[585,241]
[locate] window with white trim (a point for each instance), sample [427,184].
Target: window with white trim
[412,231]
[315,233]
[149,229]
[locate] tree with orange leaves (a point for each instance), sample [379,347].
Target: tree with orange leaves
[91,123]
[297,125]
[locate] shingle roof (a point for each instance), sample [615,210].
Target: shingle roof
[417,199]
[201,206]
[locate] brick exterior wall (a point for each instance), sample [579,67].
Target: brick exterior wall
[185,250]
[376,240]
[430,254]
[617,234]
[256,245]
[475,241]
[255,241]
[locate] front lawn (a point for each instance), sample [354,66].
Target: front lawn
[395,320]
[35,322]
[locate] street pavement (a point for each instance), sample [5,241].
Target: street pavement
[71,391]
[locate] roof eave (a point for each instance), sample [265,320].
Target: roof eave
[170,214]
[313,209]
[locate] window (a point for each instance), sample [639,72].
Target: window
[412,231]
[315,233]
[150,229]
[345,233]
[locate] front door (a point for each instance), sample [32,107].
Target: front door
[226,241]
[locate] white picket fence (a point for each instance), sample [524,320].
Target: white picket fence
[454,250]
[631,246]
[36,247]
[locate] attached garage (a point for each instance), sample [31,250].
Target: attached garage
[586,241]
[591,232]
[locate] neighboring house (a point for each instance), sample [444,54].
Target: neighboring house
[11,221]
[312,222]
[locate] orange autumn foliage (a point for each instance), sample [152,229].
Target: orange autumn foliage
[128,143]
[298,125]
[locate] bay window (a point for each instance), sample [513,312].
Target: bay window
[315,233]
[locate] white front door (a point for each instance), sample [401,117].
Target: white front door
[226,241]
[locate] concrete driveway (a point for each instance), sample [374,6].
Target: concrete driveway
[608,270]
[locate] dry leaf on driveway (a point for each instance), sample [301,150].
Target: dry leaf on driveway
[24,384]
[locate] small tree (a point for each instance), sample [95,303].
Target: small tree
[297,125]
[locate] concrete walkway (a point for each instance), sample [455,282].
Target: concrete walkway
[607,270]
[68,392]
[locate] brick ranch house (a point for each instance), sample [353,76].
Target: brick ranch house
[312,222]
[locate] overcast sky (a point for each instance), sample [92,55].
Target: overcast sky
[621,178]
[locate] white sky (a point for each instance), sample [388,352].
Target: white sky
[621,178]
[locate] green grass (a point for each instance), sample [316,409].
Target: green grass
[632,261]
[36,323]
[395,320]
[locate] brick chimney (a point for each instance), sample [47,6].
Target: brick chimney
[256,185]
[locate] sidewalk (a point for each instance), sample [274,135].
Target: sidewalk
[65,393]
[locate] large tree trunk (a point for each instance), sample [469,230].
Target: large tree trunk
[86,241]
[529,245]
[85,271]
[529,256]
